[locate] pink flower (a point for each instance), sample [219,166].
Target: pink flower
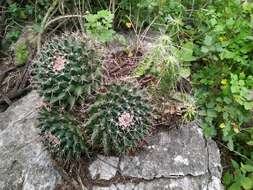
[59,63]
[125,120]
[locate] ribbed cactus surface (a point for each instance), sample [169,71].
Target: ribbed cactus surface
[66,71]
[119,119]
[62,133]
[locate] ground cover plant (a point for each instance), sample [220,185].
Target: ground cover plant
[200,68]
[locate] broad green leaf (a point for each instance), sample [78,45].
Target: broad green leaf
[235,164]
[247,183]
[186,52]
[227,178]
[247,167]
[185,72]
[235,186]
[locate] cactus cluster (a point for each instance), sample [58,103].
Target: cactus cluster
[61,133]
[67,75]
[119,119]
[66,71]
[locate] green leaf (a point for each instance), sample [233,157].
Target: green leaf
[247,183]
[250,143]
[247,167]
[185,72]
[209,131]
[235,186]
[227,178]
[208,40]
[211,113]
[186,52]
[230,144]
[235,164]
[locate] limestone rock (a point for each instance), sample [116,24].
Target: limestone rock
[104,168]
[24,163]
[177,159]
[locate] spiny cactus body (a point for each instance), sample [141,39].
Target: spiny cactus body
[61,133]
[66,71]
[119,119]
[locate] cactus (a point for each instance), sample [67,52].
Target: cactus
[61,133]
[119,118]
[66,71]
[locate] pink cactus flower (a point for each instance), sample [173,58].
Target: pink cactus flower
[125,120]
[59,63]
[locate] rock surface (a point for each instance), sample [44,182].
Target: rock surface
[177,159]
[24,164]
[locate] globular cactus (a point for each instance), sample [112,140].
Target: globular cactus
[66,71]
[119,118]
[62,134]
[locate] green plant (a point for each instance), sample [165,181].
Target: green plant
[61,133]
[21,53]
[240,178]
[66,71]
[99,26]
[162,62]
[188,106]
[119,118]
[223,79]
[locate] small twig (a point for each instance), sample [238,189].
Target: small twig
[12,95]
[236,152]
[4,73]
[62,17]
[43,23]
[65,176]
[6,99]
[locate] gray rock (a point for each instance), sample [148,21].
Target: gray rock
[185,183]
[181,152]
[104,168]
[177,159]
[24,164]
